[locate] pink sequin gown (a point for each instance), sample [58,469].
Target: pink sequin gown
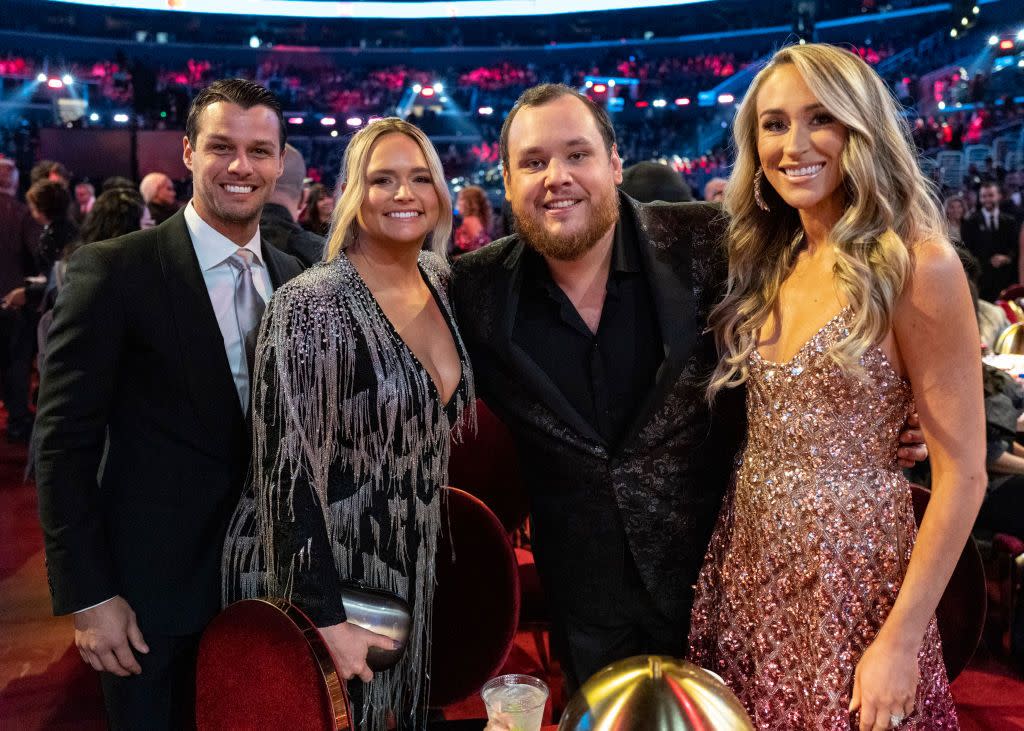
[812,544]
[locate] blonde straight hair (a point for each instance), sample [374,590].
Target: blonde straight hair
[890,206]
[352,185]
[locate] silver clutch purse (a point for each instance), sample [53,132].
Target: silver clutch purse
[383,612]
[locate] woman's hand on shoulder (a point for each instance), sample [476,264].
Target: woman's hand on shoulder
[349,645]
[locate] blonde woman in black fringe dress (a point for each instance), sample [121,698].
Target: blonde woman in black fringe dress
[360,378]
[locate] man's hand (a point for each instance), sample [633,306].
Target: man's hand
[999,260]
[105,636]
[912,447]
[14,300]
[349,644]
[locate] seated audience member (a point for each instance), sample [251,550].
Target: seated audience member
[50,170]
[475,229]
[85,197]
[652,181]
[955,209]
[48,202]
[160,197]
[992,319]
[316,216]
[714,190]
[279,222]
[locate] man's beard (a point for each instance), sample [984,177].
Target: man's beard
[572,247]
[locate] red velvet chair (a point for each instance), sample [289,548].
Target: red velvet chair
[486,465]
[961,611]
[263,664]
[476,602]
[1013,292]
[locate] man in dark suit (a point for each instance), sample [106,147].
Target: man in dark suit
[992,236]
[279,222]
[587,332]
[141,434]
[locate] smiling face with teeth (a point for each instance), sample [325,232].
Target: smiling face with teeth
[235,163]
[561,178]
[800,145]
[401,204]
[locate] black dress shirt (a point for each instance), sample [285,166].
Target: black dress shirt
[604,375]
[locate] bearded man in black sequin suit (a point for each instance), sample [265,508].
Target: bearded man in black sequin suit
[586,330]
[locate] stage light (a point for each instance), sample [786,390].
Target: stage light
[120,118]
[55,84]
[942,105]
[611,83]
[429,91]
[641,104]
[416,88]
[1005,45]
[353,121]
[683,101]
[659,103]
[590,84]
[952,32]
[41,78]
[94,117]
[67,79]
[373,119]
[975,10]
[1020,35]
[993,40]
[600,88]
[438,87]
[328,121]
[295,120]
[485,111]
[726,98]
[254,42]
[334,133]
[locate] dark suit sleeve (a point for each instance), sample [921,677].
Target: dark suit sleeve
[75,394]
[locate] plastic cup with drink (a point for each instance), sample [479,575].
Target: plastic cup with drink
[515,702]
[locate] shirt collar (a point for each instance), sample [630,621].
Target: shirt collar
[212,247]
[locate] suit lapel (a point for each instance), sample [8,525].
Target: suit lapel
[534,376]
[667,265]
[204,360]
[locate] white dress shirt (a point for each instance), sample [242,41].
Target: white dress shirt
[213,250]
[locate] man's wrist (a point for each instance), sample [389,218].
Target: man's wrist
[86,609]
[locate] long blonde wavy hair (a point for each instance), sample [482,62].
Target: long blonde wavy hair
[352,183]
[890,206]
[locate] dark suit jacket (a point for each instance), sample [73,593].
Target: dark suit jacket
[142,446]
[19,244]
[669,472]
[984,243]
[279,228]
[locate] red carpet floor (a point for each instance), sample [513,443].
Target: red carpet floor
[45,685]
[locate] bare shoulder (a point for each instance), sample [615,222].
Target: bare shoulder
[936,288]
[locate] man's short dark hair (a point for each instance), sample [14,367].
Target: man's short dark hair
[246,94]
[991,184]
[537,96]
[42,169]
[50,198]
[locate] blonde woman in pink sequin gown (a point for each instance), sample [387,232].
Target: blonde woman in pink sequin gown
[846,306]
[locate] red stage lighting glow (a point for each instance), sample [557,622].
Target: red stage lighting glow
[428,91]
[1006,45]
[682,101]
[55,84]
[641,105]
[600,88]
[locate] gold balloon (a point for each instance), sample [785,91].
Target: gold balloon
[1011,340]
[654,693]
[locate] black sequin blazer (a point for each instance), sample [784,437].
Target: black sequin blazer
[667,476]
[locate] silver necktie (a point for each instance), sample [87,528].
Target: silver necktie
[249,307]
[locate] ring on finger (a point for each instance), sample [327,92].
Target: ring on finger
[896,719]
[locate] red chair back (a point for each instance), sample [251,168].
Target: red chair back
[476,602]
[961,611]
[263,664]
[486,465]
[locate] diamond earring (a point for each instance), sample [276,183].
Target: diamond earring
[758,198]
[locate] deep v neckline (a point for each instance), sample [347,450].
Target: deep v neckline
[445,315]
[807,343]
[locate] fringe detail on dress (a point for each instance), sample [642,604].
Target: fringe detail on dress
[395,435]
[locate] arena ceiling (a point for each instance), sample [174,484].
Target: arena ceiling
[394,9]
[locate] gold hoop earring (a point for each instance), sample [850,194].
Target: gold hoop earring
[758,198]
